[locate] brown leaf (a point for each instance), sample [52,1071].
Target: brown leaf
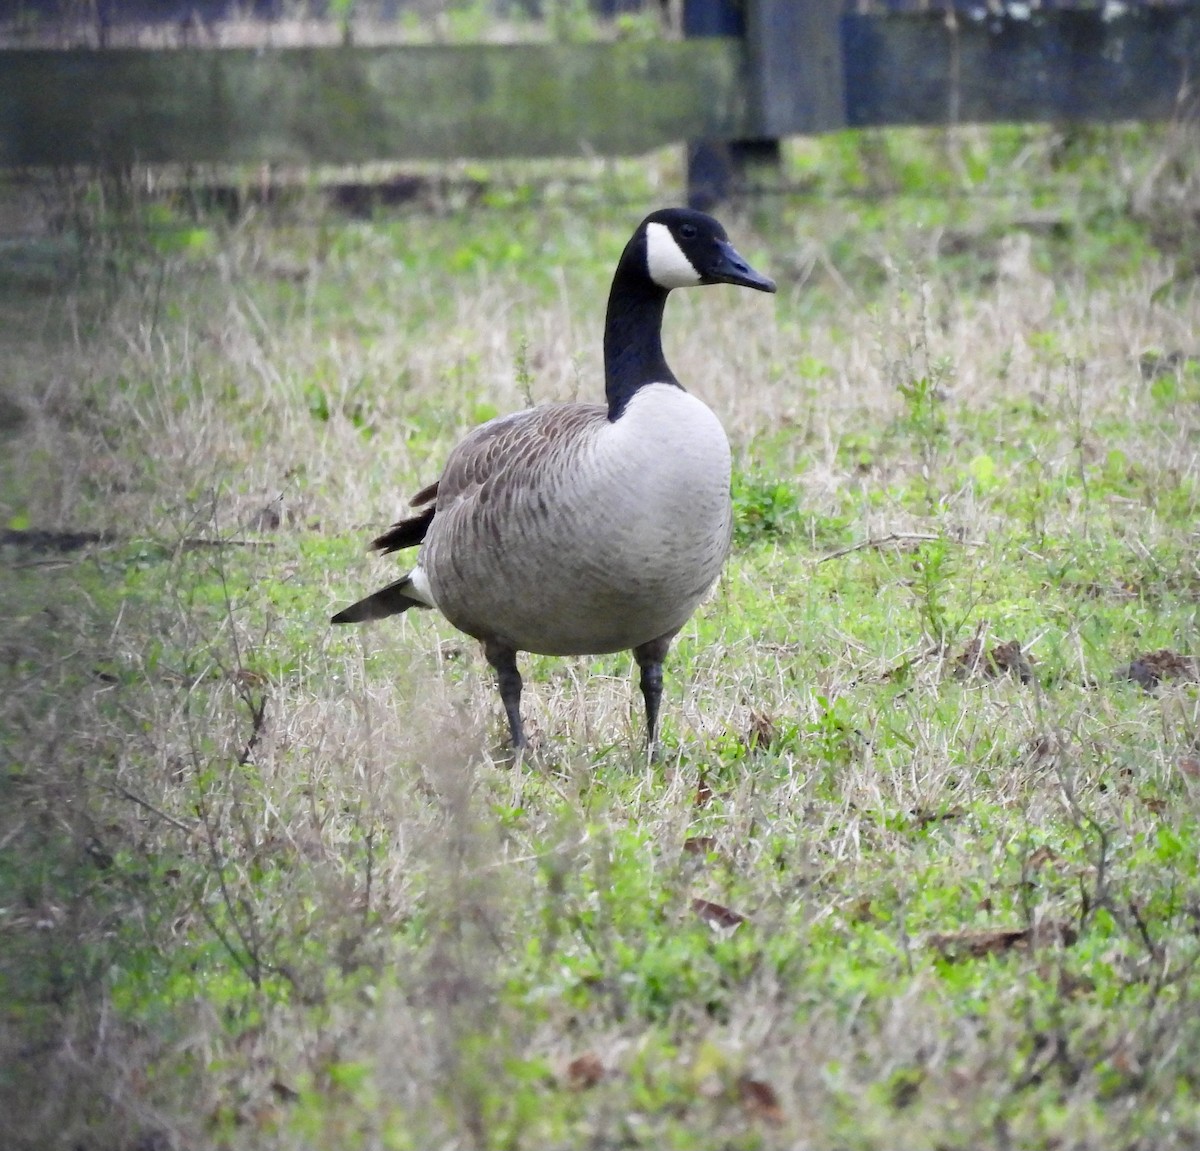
[957,946]
[1043,749]
[861,910]
[1154,364]
[1039,858]
[283,1092]
[759,1100]
[703,792]
[924,816]
[267,519]
[584,1071]
[1189,765]
[970,659]
[1003,659]
[265,1117]
[905,1086]
[717,916]
[761,733]
[1009,658]
[1151,669]
[700,845]
[1073,985]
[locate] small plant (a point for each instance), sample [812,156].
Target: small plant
[763,509]
[934,570]
[925,421]
[524,372]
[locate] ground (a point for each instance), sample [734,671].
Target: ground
[919,866]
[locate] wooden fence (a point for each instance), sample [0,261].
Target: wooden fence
[749,70]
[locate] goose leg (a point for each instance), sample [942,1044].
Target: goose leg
[650,658]
[508,679]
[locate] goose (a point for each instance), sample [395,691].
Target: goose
[585,528]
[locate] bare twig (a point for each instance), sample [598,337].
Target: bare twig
[882,541]
[178,824]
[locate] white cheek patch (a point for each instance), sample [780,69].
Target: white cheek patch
[665,261]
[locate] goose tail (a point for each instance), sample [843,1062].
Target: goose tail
[392,600]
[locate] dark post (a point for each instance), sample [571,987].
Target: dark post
[794,84]
[714,167]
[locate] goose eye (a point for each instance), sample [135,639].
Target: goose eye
[687,231]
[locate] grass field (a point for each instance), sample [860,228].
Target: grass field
[920,867]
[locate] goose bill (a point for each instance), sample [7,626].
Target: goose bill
[730,268]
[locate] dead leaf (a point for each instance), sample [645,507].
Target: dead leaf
[283,1092]
[703,792]
[700,845]
[924,816]
[716,916]
[1043,749]
[759,1100]
[1151,669]
[1072,985]
[761,733]
[265,1117]
[957,946]
[267,519]
[584,1071]
[1189,765]
[1008,657]
[1155,364]
[1003,659]
[861,910]
[1039,858]
[905,1086]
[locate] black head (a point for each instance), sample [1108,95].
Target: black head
[681,248]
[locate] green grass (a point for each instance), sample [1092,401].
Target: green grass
[267,884]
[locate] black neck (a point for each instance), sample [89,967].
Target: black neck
[633,355]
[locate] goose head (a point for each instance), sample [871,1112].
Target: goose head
[684,248]
[671,248]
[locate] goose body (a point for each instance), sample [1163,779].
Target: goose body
[579,529]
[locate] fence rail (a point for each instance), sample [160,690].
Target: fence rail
[798,66]
[338,105]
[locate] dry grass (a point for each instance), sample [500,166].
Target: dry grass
[272,886]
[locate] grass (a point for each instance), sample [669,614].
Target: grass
[270,885]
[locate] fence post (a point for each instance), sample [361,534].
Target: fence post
[716,167]
[793,81]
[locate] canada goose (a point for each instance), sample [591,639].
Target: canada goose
[579,529]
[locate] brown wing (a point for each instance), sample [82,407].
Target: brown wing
[515,448]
